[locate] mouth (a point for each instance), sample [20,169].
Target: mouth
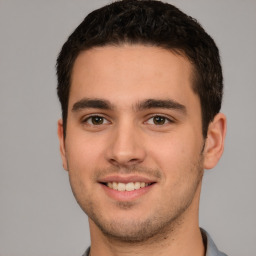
[127,188]
[130,186]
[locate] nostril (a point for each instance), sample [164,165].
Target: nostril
[123,162]
[113,161]
[134,160]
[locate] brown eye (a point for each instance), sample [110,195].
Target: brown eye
[96,120]
[159,120]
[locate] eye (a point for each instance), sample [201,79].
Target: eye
[96,120]
[158,120]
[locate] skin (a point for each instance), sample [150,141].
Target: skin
[126,141]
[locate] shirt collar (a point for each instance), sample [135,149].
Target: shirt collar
[211,248]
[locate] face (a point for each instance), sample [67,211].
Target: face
[134,144]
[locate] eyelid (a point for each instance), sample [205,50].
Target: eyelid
[168,118]
[85,119]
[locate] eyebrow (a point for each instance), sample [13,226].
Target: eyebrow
[91,103]
[155,103]
[140,106]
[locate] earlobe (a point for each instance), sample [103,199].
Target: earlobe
[215,141]
[62,144]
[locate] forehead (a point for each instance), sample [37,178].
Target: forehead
[129,73]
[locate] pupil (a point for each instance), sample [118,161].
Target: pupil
[159,120]
[97,120]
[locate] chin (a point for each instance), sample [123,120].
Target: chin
[131,230]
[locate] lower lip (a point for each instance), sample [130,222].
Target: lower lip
[126,195]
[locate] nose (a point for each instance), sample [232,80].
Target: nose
[126,147]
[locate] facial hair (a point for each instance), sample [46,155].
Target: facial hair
[157,225]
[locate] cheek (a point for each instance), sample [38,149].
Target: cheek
[174,154]
[83,153]
[82,157]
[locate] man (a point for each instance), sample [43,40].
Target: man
[140,85]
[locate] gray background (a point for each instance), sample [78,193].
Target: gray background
[38,214]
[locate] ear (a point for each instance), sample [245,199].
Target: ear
[62,144]
[215,141]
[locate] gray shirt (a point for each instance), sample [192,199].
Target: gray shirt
[211,249]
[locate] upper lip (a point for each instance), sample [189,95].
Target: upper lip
[126,179]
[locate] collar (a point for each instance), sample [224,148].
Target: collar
[211,248]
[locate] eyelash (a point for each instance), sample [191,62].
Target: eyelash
[106,121]
[85,120]
[166,119]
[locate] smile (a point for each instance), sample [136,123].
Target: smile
[125,189]
[131,186]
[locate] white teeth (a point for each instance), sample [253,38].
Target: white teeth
[137,185]
[121,186]
[128,186]
[110,185]
[115,185]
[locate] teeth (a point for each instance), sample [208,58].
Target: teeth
[128,186]
[137,185]
[110,184]
[121,186]
[115,185]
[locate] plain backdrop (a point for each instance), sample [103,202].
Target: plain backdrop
[38,214]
